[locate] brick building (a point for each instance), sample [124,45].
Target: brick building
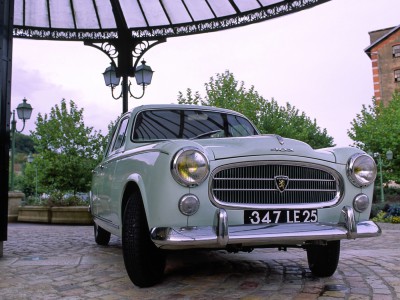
[384,52]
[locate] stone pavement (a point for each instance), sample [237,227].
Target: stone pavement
[53,262]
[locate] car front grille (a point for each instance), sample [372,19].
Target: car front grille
[275,184]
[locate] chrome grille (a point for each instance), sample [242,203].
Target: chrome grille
[256,185]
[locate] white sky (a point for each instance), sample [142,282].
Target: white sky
[313,59]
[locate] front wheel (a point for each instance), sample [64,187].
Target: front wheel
[323,259]
[144,262]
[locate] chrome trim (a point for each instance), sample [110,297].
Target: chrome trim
[280,139]
[221,227]
[336,200]
[348,219]
[103,222]
[356,202]
[221,235]
[183,199]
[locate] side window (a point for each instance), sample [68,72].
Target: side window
[397,75]
[239,126]
[396,51]
[119,135]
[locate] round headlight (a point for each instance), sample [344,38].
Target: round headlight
[361,170]
[190,167]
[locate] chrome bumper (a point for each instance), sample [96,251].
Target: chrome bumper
[221,235]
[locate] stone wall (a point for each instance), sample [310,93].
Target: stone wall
[14,202]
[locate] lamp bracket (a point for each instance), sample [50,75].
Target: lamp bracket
[125,54]
[14,124]
[129,91]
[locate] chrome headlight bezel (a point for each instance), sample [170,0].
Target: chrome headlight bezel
[361,203]
[361,170]
[190,166]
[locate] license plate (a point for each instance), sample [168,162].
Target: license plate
[280,216]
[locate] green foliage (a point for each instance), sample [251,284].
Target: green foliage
[67,151]
[376,130]
[289,122]
[393,210]
[226,92]
[24,144]
[389,214]
[189,98]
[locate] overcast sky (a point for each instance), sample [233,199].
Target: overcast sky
[313,59]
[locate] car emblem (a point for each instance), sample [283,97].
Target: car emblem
[281,183]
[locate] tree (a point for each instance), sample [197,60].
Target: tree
[289,122]
[226,92]
[376,130]
[23,143]
[67,149]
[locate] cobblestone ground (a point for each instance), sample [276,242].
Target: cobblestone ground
[53,262]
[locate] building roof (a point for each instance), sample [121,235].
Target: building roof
[381,39]
[100,20]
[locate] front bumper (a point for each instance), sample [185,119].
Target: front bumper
[221,235]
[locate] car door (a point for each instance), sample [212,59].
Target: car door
[107,208]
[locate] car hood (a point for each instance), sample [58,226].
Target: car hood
[260,145]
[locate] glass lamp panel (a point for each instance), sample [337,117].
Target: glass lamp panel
[24,110]
[110,77]
[143,74]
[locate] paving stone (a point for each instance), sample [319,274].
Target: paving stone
[53,262]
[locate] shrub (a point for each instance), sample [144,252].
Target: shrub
[389,214]
[393,210]
[396,219]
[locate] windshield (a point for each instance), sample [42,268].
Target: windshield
[189,124]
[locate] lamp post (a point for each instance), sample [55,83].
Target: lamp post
[143,75]
[24,111]
[30,159]
[389,156]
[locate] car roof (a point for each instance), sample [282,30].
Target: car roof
[182,106]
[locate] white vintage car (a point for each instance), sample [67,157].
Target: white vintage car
[183,177]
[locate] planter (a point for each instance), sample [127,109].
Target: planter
[14,201]
[55,215]
[71,215]
[35,214]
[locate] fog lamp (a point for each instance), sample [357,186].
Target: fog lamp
[189,205]
[361,203]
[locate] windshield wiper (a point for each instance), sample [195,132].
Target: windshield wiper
[201,135]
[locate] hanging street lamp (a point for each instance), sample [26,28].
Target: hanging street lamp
[125,54]
[143,76]
[24,112]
